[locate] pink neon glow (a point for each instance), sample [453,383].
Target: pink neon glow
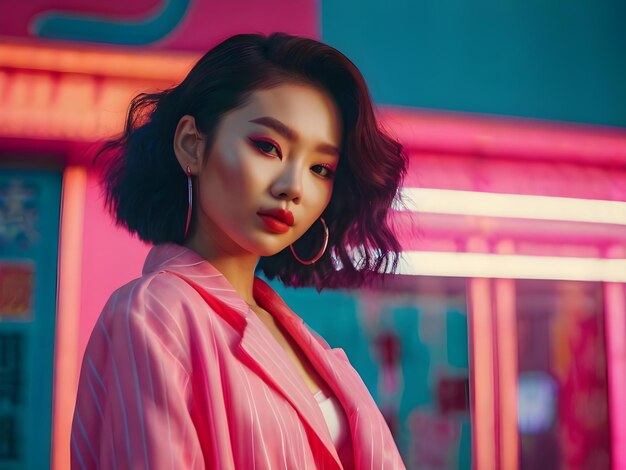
[479,135]
[442,232]
[501,174]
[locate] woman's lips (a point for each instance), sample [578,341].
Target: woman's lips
[273,224]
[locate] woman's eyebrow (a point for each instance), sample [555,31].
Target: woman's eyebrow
[292,135]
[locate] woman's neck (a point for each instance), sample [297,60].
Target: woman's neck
[238,269]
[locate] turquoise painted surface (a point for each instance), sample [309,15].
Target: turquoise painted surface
[74,26]
[29,236]
[544,59]
[456,332]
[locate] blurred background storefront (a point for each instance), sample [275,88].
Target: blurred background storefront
[502,341]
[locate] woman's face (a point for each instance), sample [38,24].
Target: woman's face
[278,152]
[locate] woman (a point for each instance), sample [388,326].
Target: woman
[267,156]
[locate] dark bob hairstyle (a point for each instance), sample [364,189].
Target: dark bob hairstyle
[146,189]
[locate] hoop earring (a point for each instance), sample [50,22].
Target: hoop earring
[190,203]
[321,252]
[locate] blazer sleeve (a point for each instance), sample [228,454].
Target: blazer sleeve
[133,406]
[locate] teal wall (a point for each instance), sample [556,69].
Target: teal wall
[548,59]
[30,204]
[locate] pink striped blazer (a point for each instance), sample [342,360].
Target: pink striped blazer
[179,373]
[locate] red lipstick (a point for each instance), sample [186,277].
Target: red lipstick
[277,220]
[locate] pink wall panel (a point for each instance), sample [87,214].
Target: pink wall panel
[110,258]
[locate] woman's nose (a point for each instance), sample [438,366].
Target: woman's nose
[288,184]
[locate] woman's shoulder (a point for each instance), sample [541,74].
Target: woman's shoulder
[152,312]
[153,291]
[158,302]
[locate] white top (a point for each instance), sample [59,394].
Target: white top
[337,425]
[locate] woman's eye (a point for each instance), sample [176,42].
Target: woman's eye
[266,147]
[323,171]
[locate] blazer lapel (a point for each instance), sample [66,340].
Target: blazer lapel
[365,421]
[271,362]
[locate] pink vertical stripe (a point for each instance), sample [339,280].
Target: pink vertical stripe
[506,330]
[483,383]
[68,310]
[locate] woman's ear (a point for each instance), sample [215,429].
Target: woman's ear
[188,145]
